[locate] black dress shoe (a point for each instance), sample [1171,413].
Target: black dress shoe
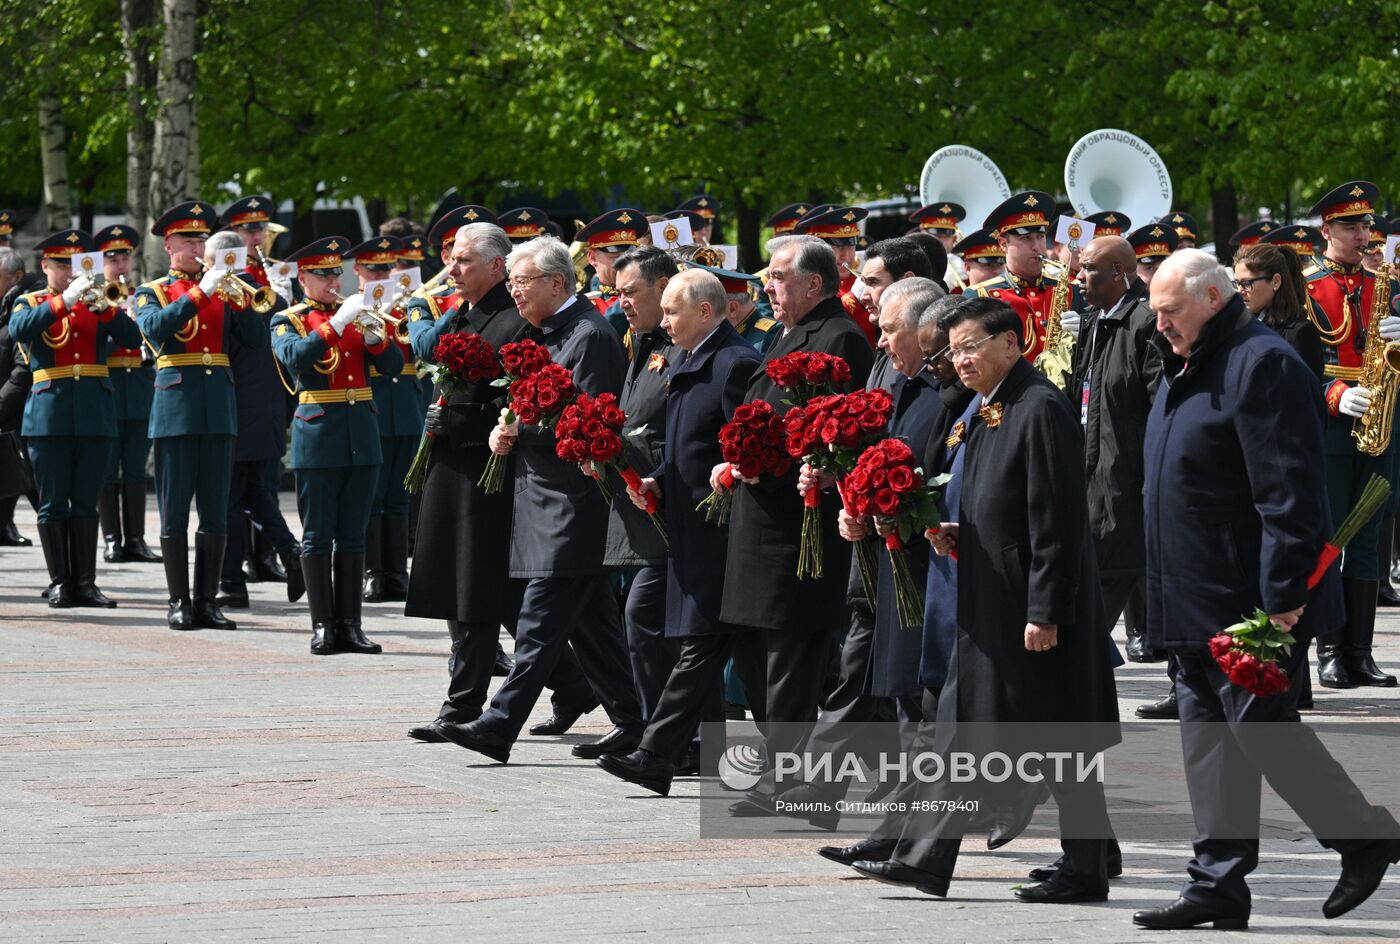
[752,805]
[1361,875]
[893,873]
[353,639]
[561,721]
[232,599]
[207,615]
[1387,595]
[1011,821]
[180,616]
[474,737]
[10,536]
[806,801]
[325,639]
[689,765]
[502,667]
[1113,867]
[1182,914]
[641,767]
[87,594]
[1164,710]
[430,732]
[1058,893]
[112,551]
[137,550]
[867,850]
[616,741]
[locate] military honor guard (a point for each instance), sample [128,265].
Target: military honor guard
[399,399]
[1152,244]
[1359,313]
[325,347]
[187,320]
[1109,223]
[607,237]
[70,419]
[122,504]
[787,218]
[839,228]
[983,259]
[1305,242]
[941,220]
[1251,234]
[1381,229]
[1188,231]
[524,224]
[1019,224]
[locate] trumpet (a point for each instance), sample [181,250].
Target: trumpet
[105,294]
[384,323]
[236,292]
[444,275]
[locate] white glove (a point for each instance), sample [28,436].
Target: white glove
[212,277]
[283,288]
[1355,401]
[347,312]
[1070,322]
[1390,328]
[75,289]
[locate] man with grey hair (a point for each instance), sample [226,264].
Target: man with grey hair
[1236,514]
[789,625]
[560,521]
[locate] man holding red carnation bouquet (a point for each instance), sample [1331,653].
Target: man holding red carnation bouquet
[560,518]
[1237,515]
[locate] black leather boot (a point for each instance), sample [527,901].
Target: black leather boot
[374,560]
[250,540]
[109,514]
[264,557]
[175,554]
[208,564]
[1331,670]
[134,545]
[291,563]
[349,567]
[395,557]
[53,537]
[316,573]
[1361,666]
[82,561]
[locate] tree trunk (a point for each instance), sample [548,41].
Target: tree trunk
[1225,219]
[138,22]
[170,148]
[192,158]
[53,142]
[749,223]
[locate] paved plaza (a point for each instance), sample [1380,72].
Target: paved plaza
[222,786]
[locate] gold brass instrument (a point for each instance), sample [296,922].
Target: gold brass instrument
[1380,372]
[235,291]
[105,294]
[1056,358]
[379,319]
[426,289]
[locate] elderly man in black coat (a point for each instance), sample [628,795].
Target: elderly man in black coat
[706,383]
[1236,516]
[1030,641]
[560,521]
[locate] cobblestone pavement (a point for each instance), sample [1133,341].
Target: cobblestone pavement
[210,786]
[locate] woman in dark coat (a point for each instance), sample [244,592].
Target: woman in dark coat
[1270,282]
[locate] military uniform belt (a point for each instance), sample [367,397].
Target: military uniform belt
[72,372]
[192,360]
[125,361]
[1342,373]
[349,395]
[374,372]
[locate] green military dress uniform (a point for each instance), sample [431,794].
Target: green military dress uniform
[336,451]
[70,422]
[193,419]
[399,399]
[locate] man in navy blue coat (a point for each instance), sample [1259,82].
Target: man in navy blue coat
[1236,515]
[705,387]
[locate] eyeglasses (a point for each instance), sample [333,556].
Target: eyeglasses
[522,282]
[967,350]
[931,360]
[1245,285]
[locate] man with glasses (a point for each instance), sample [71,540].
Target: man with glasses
[1342,289]
[561,520]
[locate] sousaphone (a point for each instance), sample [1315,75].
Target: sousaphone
[960,174]
[1110,169]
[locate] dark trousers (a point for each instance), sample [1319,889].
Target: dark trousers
[1122,597]
[554,613]
[69,472]
[390,496]
[193,468]
[1224,765]
[692,694]
[334,507]
[248,492]
[644,617]
[789,669]
[128,466]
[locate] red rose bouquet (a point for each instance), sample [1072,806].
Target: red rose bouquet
[590,431]
[828,434]
[540,399]
[459,359]
[888,485]
[752,442]
[518,359]
[806,374]
[1248,651]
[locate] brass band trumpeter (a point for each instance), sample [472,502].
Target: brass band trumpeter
[235,291]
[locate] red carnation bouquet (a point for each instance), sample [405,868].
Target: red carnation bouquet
[518,359]
[888,485]
[806,374]
[753,443]
[459,359]
[828,435]
[1248,651]
[589,432]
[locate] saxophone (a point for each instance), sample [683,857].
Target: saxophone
[1380,374]
[1056,360]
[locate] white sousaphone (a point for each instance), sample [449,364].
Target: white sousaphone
[1110,169]
[960,174]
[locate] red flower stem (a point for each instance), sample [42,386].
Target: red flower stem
[1330,552]
[726,478]
[634,482]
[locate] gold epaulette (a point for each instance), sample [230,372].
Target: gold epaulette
[985,282]
[1312,269]
[765,324]
[291,315]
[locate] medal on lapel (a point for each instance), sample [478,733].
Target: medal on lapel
[991,414]
[656,363]
[959,430]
